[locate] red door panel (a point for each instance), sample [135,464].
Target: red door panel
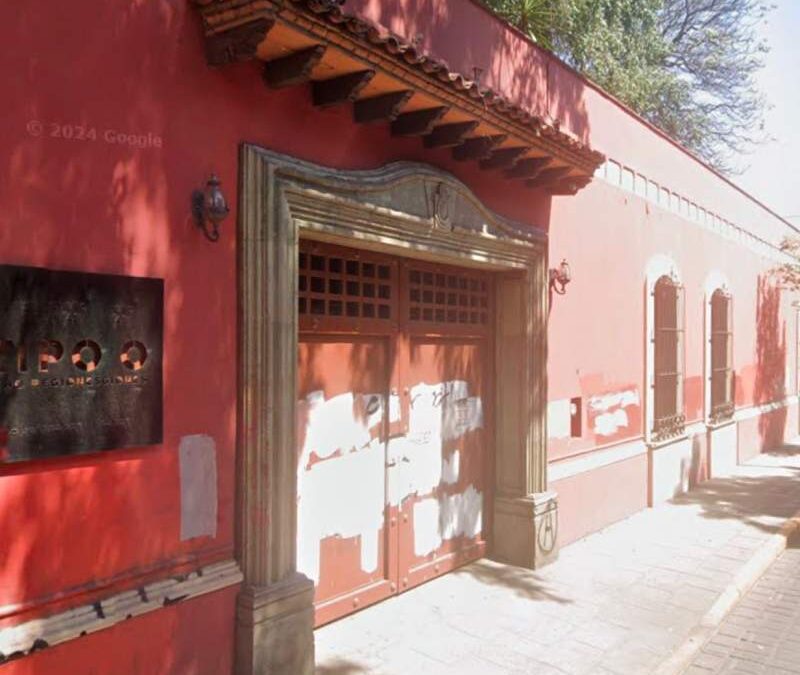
[341,505]
[443,465]
[392,452]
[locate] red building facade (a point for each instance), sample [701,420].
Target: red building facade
[368,379]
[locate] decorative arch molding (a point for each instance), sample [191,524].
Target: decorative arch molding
[715,280]
[661,265]
[404,209]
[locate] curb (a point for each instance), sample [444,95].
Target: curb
[752,570]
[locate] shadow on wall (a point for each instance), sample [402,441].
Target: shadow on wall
[770,380]
[84,186]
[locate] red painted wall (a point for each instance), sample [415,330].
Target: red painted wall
[75,529]
[160,643]
[114,197]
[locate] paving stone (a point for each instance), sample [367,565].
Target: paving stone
[697,670]
[475,666]
[601,635]
[711,662]
[633,659]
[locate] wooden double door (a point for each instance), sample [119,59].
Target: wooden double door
[393,424]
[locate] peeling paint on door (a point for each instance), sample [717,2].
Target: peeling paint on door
[390,431]
[351,455]
[442,519]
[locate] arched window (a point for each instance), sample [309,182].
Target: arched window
[721,372]
[668,416]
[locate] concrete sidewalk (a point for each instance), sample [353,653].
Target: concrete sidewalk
[621,601]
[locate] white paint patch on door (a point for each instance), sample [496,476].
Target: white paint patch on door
[437,413]
[340,430]
[451,468]
[427,537]
[324,507]
[394,408]
[332,425]
[439,520]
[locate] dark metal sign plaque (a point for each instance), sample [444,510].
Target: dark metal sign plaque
[80,362]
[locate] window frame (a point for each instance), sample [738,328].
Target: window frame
[668,418]
[720,411]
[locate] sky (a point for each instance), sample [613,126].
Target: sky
[773,175]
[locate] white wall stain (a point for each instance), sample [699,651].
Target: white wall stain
[611,407]
[198,480]
[610,423]
[559,418]
[615,399]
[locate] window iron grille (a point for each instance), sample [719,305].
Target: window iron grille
[722,376]
[669,419]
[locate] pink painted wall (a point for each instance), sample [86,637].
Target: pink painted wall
[597,331]
[592,500]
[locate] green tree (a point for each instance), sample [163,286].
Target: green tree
[687,66]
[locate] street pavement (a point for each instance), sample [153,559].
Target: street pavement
[762,633]
[619,602]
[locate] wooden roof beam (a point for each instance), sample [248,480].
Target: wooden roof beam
[383,108]
[449,135]
[569,186]
[239,43]
[418,122]
[342,89]
[549,176]
[528,167]
[502,157]
[477,148]
[294,68]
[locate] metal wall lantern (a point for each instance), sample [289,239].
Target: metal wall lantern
[210,208]
[560,277]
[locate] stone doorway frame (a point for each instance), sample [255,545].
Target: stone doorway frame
[404,209]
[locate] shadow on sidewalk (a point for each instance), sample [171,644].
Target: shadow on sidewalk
[340,666]
[752,499]
[786,450]
[522,581]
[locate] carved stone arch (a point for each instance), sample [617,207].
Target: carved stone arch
[405,209]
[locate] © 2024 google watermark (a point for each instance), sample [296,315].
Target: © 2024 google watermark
[88,134]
